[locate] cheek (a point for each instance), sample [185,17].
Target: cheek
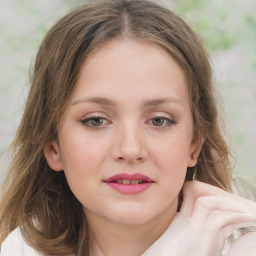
[82,170]
[79,153]
[82,159]
[172,154]
[171,159]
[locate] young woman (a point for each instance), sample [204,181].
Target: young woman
[120,118]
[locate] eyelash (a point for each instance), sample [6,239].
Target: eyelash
[88,121]
[168,121]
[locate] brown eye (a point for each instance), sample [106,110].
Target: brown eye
[161,121]
[97,121]
[94,121]
[158,121]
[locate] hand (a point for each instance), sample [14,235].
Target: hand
[244,245]
[207,218]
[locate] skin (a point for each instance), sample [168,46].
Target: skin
[208,216]
[130,113]
[145,127]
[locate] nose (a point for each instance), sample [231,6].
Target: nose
[129,145]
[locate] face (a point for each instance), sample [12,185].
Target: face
[127,138]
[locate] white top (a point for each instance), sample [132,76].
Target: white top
[14,245]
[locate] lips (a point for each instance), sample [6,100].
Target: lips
[129,177]
[129,183]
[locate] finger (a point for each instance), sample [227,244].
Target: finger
[219,220]
[194,190]
[188,199]
[199,189]
[206,204]
[229,229]
[221,212]
[219,226]
[251,206]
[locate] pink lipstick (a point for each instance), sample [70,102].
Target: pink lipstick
[129,183]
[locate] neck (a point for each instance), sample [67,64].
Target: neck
[107,238]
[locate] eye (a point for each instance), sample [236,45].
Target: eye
[161,121]
[94,121]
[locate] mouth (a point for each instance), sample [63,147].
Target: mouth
[129,183]
[126,178]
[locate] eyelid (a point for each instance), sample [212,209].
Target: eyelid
[171,120]
[163,115]
[94,115]
[85,119]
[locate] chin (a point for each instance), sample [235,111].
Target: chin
[131,216]
[132,219]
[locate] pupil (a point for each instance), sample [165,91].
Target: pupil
[97,121]
[158,121]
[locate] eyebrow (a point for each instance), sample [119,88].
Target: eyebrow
[110,102]
[156,102]
[97,100]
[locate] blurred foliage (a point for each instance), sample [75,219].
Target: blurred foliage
[228,30]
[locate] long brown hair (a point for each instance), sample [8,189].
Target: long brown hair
[39,200]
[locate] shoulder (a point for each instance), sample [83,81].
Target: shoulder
[14,244]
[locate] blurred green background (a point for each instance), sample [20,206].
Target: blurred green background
[227,28]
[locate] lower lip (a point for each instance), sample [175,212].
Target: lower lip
[129,188]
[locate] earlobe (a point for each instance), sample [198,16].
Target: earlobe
[53,155]
[195,149]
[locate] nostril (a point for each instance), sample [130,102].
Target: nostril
[132,154]
[138,159]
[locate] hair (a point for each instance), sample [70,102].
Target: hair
[37,199]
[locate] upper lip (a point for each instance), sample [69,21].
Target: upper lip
[128,176]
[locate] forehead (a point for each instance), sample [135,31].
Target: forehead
[138,67]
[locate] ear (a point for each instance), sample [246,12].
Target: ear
[195,148]
[53,155]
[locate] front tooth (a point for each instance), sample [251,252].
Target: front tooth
[119,181]
[126,182]
[135,182]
